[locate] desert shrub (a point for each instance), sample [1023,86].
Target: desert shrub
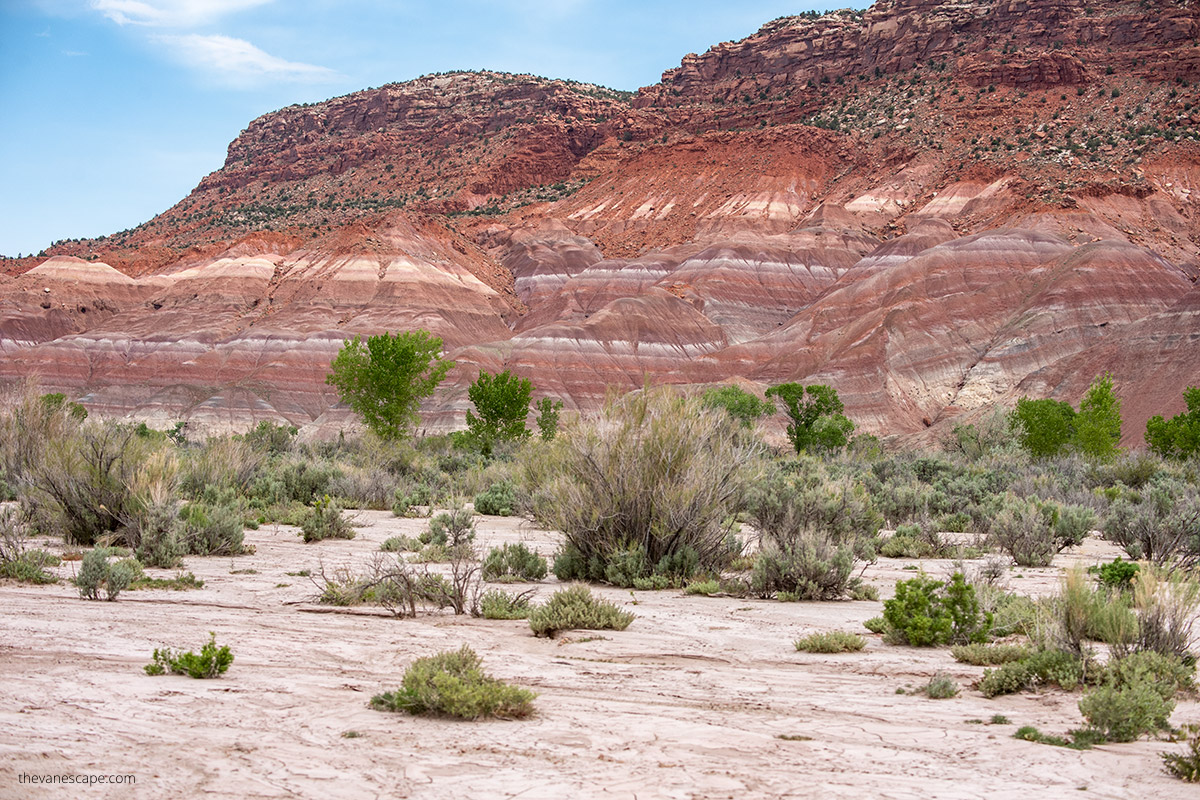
[954,522]
[212,528]
[1124,712]
[395,585]
[651,583]
[148,521]
[575,608]
[499,500]
[1034,531]
[832,642]
[96,571]
[876,625]
[910,541]
[1186,765]
[222,462]
[1042,667]
[513,562]
[80,483]
[270,438]
[210,662]
[1116,574]
[810,567]
[324,520]
[925,612]
[16,561]
[1164,527]
[499,604]
[1165,604]
[799,496]
[743,406]
[363,487]
[981,438]
[704,587]
[989,655]
[1083,612]
[653,470]
[292,478]
[452,684]
[400,544]
[451,528]
[410,496]
[940,687]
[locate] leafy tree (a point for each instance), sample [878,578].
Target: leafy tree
[1098,423]
[1043,427]
[740,404]
[385,379]
[815,414]
[547,418]
[502,403]
[1178,437]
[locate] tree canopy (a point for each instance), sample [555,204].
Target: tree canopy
[384,379]
[1178,437]
[501,405]
[815,414]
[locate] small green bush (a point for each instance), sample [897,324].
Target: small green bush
[705,587]
[1186,765]
[400,544]
[451,528]
[876,625]
[207,529]
[96,572]
[1043,667]
[940,687]
[513,562]
[926,612]
[810,567]
[575,608]
[210,662]
[324,520]
[499,500]
[498,604]
[1123,712]
[452,684]
[29,566]
[989,655]
[1116,574]
[832,642]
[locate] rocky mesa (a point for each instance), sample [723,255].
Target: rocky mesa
[934,206]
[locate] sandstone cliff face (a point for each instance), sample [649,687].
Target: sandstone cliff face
[934,206]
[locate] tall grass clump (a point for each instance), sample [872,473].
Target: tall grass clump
[646,487]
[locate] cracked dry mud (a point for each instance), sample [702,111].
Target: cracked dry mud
[699,698]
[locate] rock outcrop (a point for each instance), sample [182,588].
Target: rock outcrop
[934,206]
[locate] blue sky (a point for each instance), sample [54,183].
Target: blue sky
[114,109]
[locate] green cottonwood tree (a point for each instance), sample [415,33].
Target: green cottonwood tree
[1098,423]
[1043,427]
[740,404]
[384,379]
[1178,437]
[815,414]
[502,404]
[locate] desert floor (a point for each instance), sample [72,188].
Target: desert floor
[699,698]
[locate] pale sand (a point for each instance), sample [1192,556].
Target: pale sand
[689,702]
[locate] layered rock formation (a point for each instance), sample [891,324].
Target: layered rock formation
[935,207]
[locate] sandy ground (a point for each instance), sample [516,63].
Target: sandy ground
[692,701]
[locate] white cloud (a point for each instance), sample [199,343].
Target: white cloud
[238,63]
[170,13]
